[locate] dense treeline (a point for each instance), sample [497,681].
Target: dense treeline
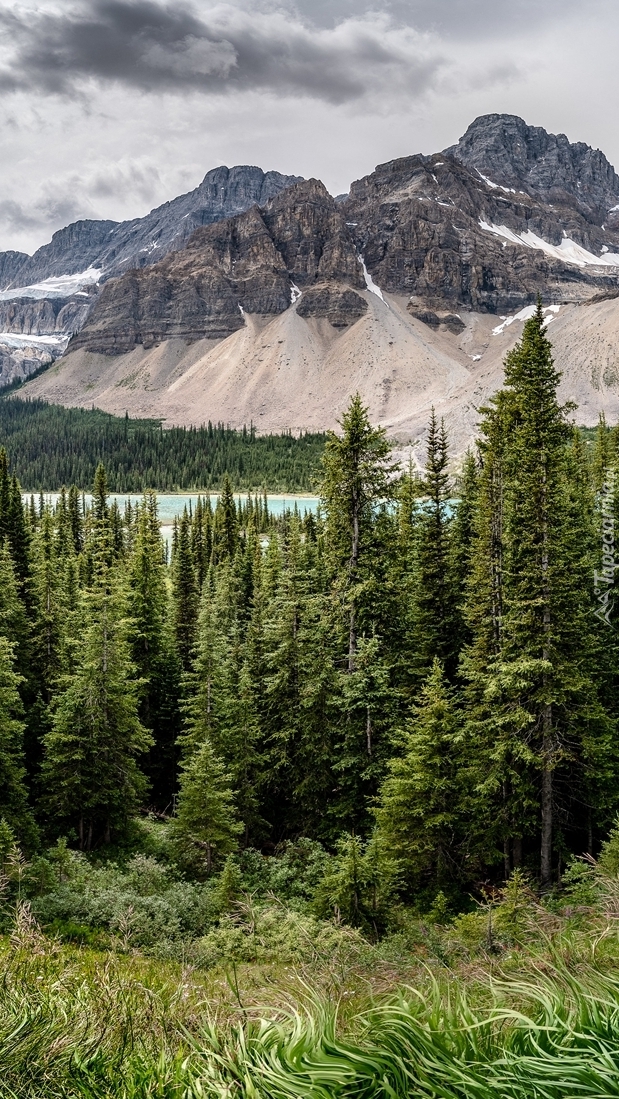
[430,691]
[52,446]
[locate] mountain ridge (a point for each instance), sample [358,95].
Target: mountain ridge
[409,288]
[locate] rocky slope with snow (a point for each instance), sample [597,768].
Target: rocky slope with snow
[407,288]
[528,159]
[431,228]
[84,255]
[289,371]
[256,263]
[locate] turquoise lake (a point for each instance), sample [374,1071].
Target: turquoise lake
[171,505]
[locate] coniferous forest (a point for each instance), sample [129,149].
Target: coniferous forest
[385,735]
[51,446]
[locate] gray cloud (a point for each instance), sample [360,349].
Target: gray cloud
[76,195]
[166,47]
[466,19]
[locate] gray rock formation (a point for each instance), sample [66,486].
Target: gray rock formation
[341,306]
[108,248]
[429,228]
[434,229]
[113,247]
[508,213]
[257,262]
[512,154]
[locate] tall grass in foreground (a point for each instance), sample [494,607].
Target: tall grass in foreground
[109,1036]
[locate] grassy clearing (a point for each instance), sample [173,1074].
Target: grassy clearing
[517,999]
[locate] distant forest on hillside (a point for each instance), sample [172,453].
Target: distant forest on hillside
[51,446]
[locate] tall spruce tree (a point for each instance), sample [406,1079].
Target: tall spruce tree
[205,828]
[13,789]
[436,618]
[535,678]
[90,774]
[91,778]
[153,651]
[185,594]
[424,815]
[358,476]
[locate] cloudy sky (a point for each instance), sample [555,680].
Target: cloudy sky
[110,107]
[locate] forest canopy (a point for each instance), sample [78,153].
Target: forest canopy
[424,690]
[51,446]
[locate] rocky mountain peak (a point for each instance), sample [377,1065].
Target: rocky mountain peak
[511,153]
[230,191]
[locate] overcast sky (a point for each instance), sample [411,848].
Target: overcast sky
[110,107]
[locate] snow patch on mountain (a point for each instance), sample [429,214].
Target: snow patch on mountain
[525,315]
[57,286]
[568,251]
[496,186]
[50,342]
[369,281]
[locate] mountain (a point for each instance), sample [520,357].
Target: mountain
[67,272]
[430,228]
[531,160]
[410,288]
[254,263]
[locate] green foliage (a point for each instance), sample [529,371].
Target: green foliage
[424,815]
[205,827]
[51,446]
[608,860]
[13,790]
[90,774]
[358,885]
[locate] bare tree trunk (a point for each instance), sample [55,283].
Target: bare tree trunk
[352,640]
[547,799]
[517,851]
[547,730]
[354,561]
[368,731]
[507,862]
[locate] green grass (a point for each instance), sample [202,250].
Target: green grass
[517,999]
[76,1023]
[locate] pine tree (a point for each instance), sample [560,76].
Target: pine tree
[225,533]
[18,536]
[185,595]
[205,827]
[358,886]
[13,790]
[49,609]
[543,713]
[75,519]
[153,651]
[90,773]
[357,478]
[436,619]
[424,812]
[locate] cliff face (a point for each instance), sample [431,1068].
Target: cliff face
[86,253]
[112,247]
[513,154]
[508,213]
[257,262]
[436,230]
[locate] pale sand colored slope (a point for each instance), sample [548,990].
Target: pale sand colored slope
[287,372]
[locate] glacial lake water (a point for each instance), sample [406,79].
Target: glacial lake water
[172,504]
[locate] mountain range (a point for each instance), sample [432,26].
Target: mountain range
[261,297]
